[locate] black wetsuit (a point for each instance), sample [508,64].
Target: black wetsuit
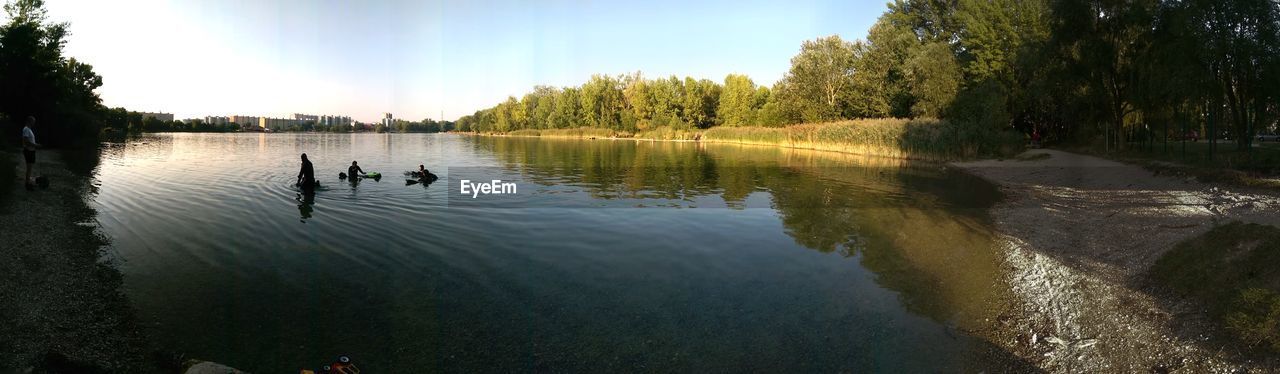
[354,171]
[308,176]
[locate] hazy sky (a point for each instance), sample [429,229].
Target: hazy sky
[418,58]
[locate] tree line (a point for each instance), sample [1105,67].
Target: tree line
[36,79]
[1085,71]
[125,121]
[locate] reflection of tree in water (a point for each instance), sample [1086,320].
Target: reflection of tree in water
[922,231]
[943,264]
[611,169]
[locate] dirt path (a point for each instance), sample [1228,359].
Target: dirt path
[61,309]
[1080,235]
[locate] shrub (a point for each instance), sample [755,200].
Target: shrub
[1256,318]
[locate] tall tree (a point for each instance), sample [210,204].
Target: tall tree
[935,78]
[39,81]
[740,100]
[821,77]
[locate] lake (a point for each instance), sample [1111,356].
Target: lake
[611,255]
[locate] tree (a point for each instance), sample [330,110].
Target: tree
[667,97]
[820,76]
[640,100]
[603,102]
[701,97]
[545,104]
[40,82]
[505,116]
[882,89]
[739,101]
[568,109]
[1101,42]
[935,78]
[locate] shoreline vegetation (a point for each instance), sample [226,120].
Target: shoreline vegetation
[911,139]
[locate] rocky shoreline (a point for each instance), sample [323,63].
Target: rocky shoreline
[64,310]
[1080,235]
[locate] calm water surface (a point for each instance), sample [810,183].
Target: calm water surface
[613,255]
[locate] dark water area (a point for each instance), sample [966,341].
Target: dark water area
[612,255]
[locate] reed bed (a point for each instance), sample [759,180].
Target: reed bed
[915,139]
[918,139]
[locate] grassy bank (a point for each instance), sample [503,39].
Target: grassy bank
[1232,270]
[920,139]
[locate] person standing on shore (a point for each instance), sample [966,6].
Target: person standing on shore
[29,149]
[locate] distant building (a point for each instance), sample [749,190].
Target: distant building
[326,120]
[388,120]
[260,123]
[215,120]
[278,124]
[167,117]
[244,120]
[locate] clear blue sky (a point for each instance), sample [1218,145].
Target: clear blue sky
[417,58]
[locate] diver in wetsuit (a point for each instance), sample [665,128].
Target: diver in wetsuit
[354,170]
[307,176]
[425,175]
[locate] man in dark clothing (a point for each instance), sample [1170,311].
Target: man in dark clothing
[354,170]
[306,176]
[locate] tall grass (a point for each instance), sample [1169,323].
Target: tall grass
[667,133]
[918,139]
[581,132]
[922,139]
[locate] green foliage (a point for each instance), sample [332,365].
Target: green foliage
[820,80]
[1231,270]
[934,74]
[980,106]
[1256,317]
[1087,71]
[882,85]
[39,81]
[740,101]
[603,102]
[701,98]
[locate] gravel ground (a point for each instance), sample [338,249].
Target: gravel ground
[1080,234]
[62,306]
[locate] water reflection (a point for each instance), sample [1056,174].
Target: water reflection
[920,228]
[791,262]
[306,205]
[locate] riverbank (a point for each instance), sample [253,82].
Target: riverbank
[916,139]
[63,307]
[1081,235]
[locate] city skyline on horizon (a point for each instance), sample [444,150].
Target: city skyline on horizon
[438,61]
